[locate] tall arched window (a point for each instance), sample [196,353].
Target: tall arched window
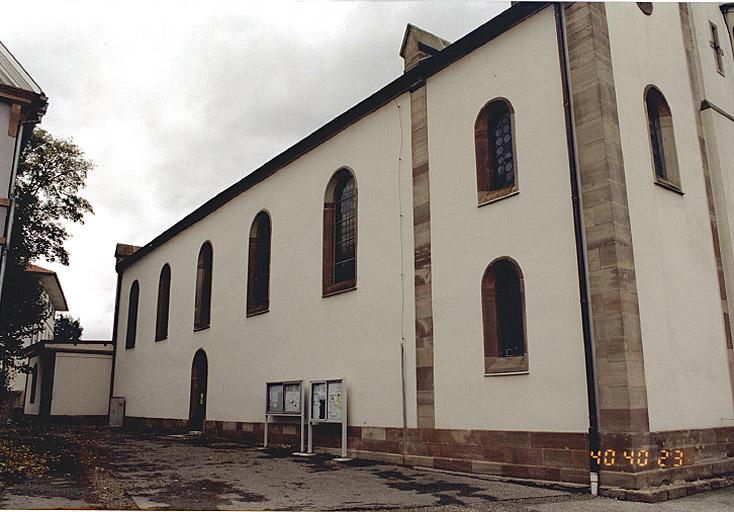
[132,315]
[503,315]
[34,383]
[203,300]
[164,298]
[662,139]
[340,233]
[494,143]
[258,265]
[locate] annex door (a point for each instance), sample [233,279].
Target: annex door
[197,401]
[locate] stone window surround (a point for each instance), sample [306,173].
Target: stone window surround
[481,141]
[163,305]
[132,315]
[672,180]
[494,365]
[329,287]
[203,310]
[253,308]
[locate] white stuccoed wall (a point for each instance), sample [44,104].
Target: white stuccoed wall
[81,384]
[355,335]
[535,228]
[681,319]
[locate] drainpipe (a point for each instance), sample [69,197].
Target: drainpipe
[402,291]
[114,340]
[594,442]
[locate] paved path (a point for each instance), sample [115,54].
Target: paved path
[164,473]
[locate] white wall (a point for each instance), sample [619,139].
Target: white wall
[681,317]
[719,132]
[81,384]
[535,228]
[355,335]
[7,152]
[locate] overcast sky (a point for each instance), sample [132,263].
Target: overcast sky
[175,101]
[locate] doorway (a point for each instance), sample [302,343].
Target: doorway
[197,400]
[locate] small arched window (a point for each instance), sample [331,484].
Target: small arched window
[494,143]
[132,315]
[503,316]
[662,139]
[34,383]
[203,299]
[164,299]
[340,233]
[258,265]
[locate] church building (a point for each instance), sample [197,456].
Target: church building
[518,255]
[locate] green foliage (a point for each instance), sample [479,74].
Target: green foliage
[67,329]
[51,174]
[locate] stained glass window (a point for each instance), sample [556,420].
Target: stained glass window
[344,230]
[164,296]
[662,141]
[202,304]
[509,310]
[502,161]
[260,252]
[132,315]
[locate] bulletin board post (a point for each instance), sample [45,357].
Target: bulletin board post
[284,398]
[328,404]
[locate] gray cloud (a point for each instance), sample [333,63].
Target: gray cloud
[174,101]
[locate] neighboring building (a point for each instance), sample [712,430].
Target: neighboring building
[68,381]
[53,297]
[22,104]
[517,253]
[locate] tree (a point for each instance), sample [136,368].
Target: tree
[50,175]
[67,329]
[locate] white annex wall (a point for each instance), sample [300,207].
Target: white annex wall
[535,228]
[681,317]
[303,336]
[81,384]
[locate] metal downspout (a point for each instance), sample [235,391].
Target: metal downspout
[594,442]
[114,340]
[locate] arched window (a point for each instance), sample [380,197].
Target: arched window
[494,143]
[258,265]
[503,315]
[203,300]
[164,299]
[132,315]
[662,139]
[340,233]
[34,383]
